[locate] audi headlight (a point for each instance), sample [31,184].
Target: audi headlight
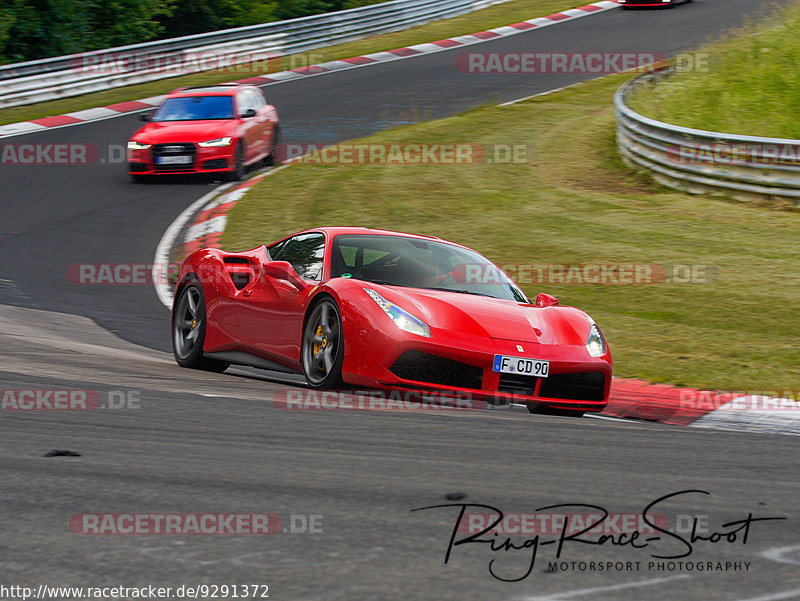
[134,145]
[215,143]
[401,318]
[595,344]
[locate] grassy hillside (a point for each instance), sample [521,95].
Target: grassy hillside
[751,84]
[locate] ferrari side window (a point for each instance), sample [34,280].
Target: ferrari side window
[305,253]
[372,255]
[274,251]
[348,255]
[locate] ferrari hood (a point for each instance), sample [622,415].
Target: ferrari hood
[183,131]
[492,317]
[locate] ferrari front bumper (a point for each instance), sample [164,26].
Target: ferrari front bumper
[575,380]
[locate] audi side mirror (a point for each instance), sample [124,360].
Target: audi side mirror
[249,113]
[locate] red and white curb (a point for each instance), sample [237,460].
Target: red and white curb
[747,412]
[78,117]
[121,108]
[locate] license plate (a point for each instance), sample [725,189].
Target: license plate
[179,160]
[521,365]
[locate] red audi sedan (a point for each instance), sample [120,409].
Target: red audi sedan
[210,129]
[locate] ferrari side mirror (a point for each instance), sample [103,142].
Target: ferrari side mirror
[283,270]
[546,300]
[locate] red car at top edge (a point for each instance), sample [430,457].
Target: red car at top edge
[357,307]
[209,129]
[638,3]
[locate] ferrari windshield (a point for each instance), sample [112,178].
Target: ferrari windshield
[195,108]
[401,261]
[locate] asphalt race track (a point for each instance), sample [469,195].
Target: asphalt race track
[193,442]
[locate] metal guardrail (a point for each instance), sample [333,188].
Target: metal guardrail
[64,76]
[705,162]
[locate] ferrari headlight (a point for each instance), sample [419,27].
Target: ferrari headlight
[134,145]
[595,344]
[401,318]
[215,143]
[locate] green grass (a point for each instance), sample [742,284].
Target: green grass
[575,202]
[488,18]
[751,85]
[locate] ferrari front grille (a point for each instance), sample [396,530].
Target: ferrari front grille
[587,386]
[517,384]
[432,369]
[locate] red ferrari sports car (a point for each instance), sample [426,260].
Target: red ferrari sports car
[638,3]
[377,309]
[210,129]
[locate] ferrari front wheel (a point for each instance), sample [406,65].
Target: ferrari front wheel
[323,346]
[189,330]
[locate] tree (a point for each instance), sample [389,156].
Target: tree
[122,22]
[34,29]
[8,16]
[199,16]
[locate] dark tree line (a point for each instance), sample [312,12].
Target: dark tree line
[34,29]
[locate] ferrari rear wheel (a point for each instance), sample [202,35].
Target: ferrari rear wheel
[189,330]
[323,346]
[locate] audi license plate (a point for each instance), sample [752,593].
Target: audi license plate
[521,365]
[179,160]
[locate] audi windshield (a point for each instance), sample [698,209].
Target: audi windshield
[195,108]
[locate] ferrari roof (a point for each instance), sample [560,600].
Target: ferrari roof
[339,230]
